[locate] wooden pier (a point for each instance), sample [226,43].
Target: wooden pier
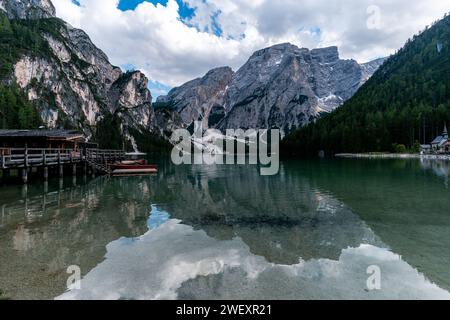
[25,159]
[101,160]
[53,152]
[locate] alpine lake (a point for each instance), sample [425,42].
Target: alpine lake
[320,229]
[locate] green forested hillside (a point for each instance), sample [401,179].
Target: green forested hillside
[16,111]
[406,102]
[18,37]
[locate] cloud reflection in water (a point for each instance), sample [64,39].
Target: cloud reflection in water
[173,261]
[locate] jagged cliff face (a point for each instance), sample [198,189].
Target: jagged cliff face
[279,87]
[371,67]
[196,99]
[28,9]
[74,84]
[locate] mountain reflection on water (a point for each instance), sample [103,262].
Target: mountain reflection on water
[226,232]
[43,232]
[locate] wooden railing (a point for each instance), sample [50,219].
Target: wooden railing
[11,158]
[33,157]
[102,159]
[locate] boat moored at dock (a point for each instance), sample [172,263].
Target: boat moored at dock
[134,164]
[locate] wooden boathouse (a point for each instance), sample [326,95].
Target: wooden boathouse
[52,151]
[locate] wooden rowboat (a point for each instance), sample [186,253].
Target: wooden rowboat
[133,167]
[131,162]
[134,172]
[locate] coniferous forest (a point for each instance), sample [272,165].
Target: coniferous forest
[405,103]
[16,38]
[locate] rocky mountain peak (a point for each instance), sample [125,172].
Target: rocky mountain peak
[274,50]
[282,86]
[197,99]
[217,72]
[28,9]
[326,55]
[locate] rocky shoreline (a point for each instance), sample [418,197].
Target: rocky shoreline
[394,156]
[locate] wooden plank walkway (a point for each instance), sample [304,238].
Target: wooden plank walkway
[24,158]
[102,159]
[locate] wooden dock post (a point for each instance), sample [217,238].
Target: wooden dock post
[44,158]
[26,156]
[25,175]
[25,169]
[45,173]
[25,195]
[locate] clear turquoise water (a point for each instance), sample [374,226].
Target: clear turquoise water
[225,232]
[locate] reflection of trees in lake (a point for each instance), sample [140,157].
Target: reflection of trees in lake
[405,206]
[440,168]
[42,233]
[282,218]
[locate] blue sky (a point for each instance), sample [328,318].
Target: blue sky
[185,11]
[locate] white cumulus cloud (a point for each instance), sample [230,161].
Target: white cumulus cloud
[171,51]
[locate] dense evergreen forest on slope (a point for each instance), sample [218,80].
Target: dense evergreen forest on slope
[406,102]
[15,109]
[16,38]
